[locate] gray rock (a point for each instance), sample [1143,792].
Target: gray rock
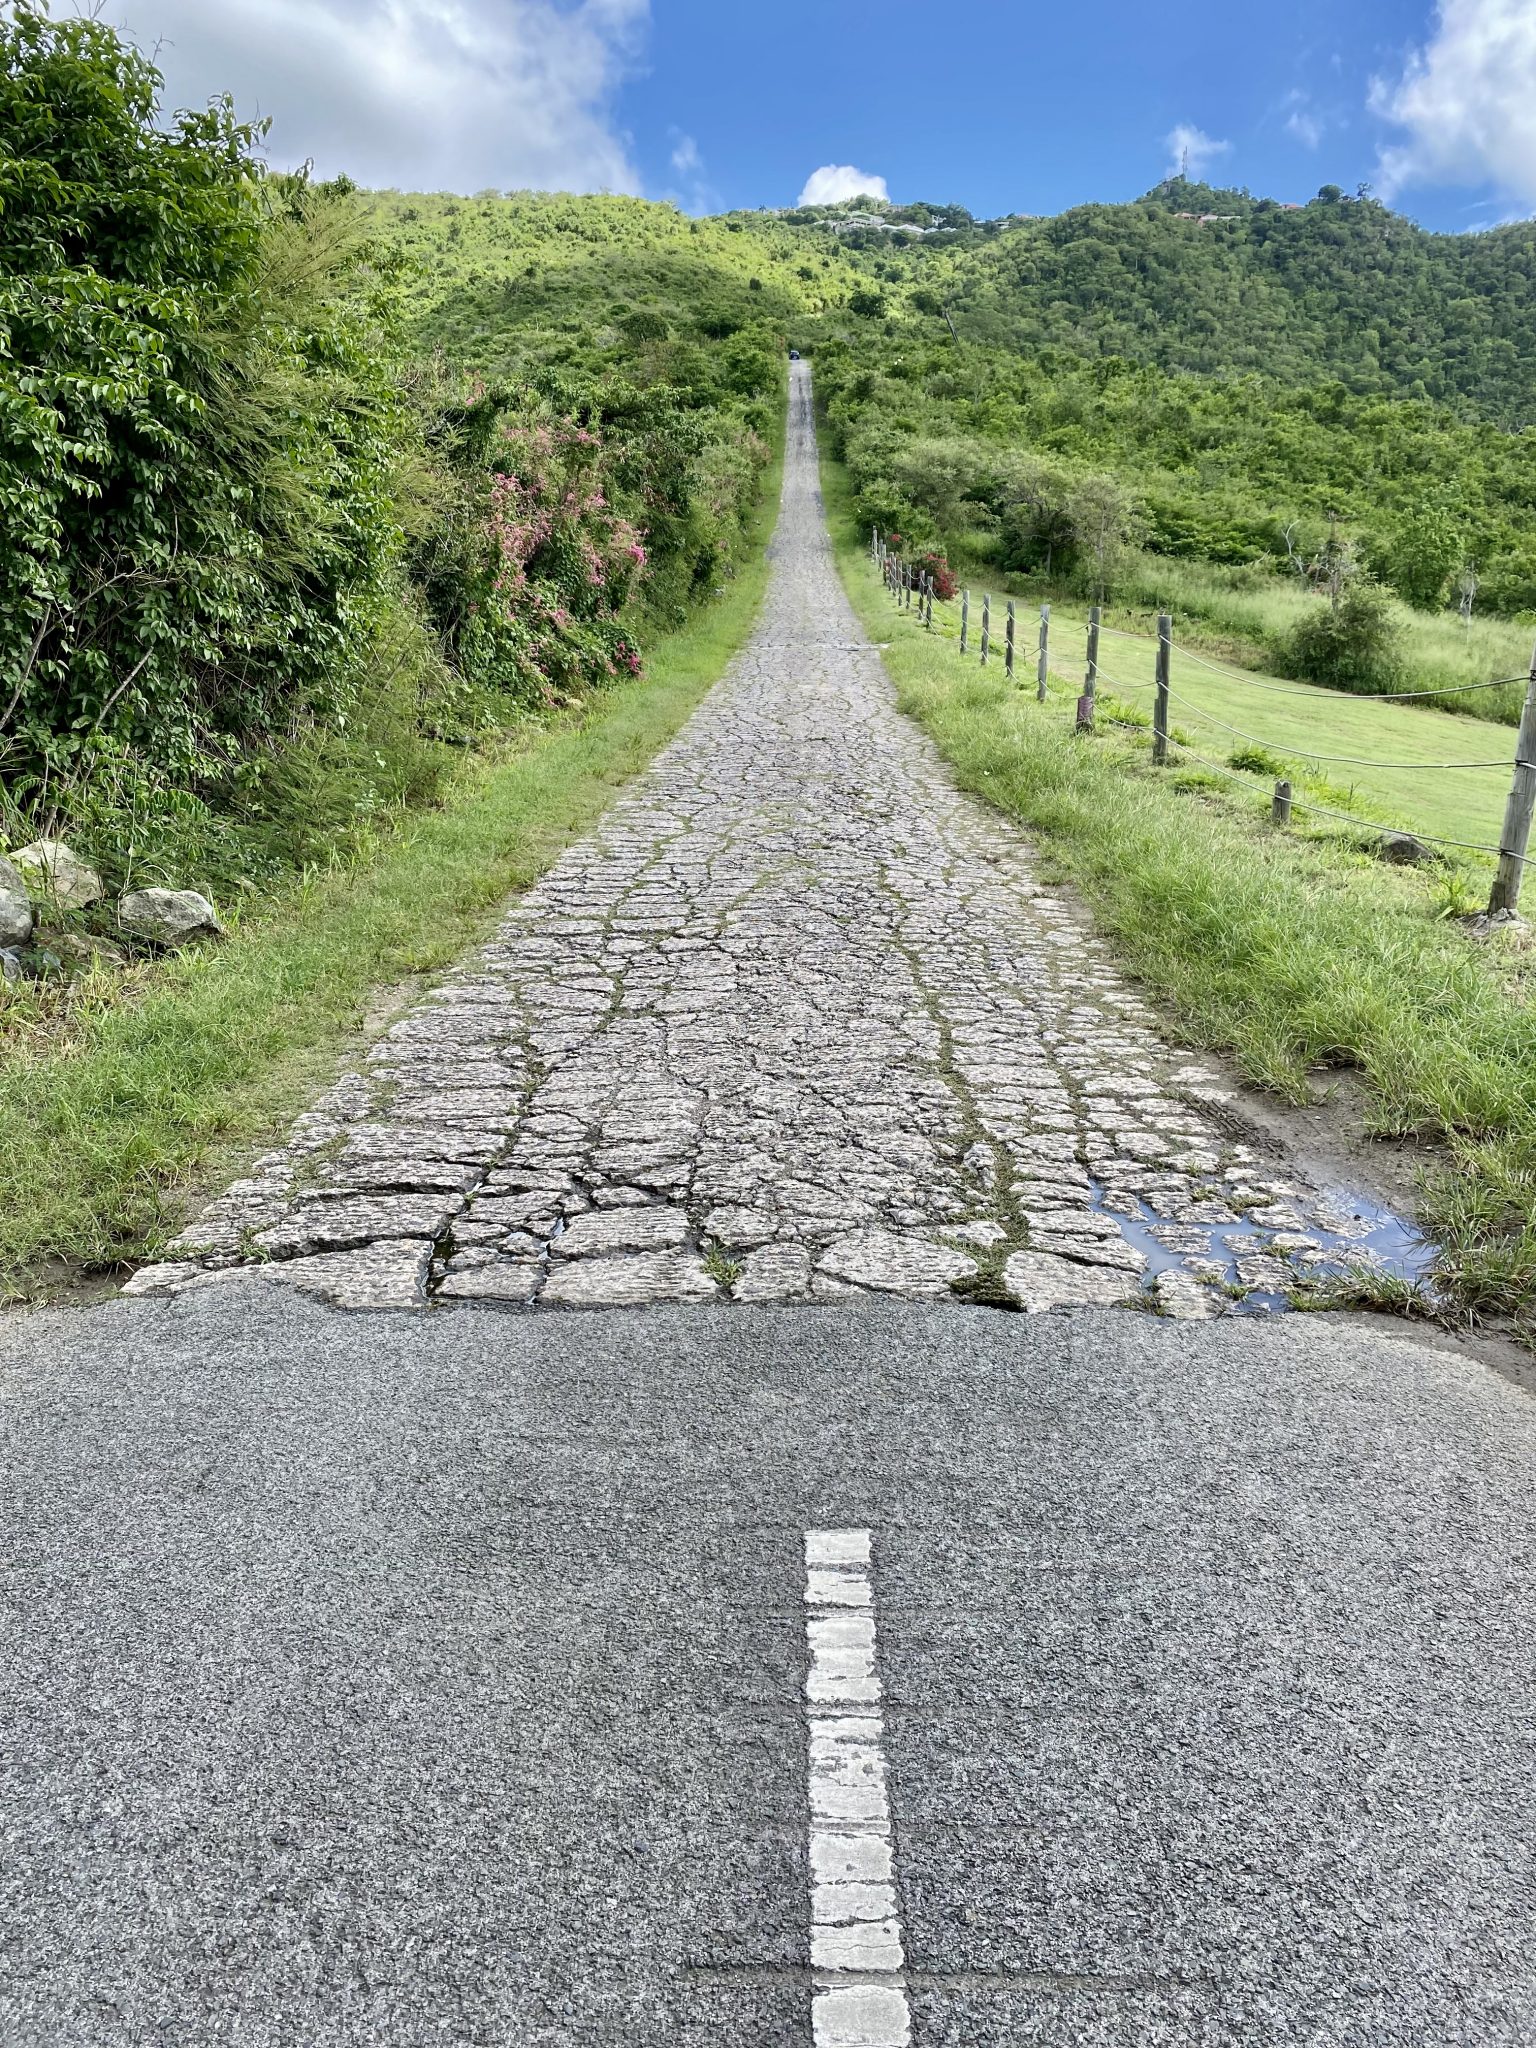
[1402,850]
[164,1277]
[507,1280]
[777,1272]
[628,1282]
[1090,1251]
[57,874]
[169,917]
[1181,1296]
[399,1176]
[388,1275]
[621,1230]
[10,966]
[1038,1281]
[16,919]
[880,1259]
[344,1221]
[392,1274]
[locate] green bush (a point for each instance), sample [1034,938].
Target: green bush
[1423,554]
[1351,645]
[196,429]
[1257,760]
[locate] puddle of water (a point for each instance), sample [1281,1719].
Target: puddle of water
[1342,1231]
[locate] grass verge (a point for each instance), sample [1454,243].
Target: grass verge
[1293,954]
[101,1137]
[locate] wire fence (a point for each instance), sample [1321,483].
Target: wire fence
[912,588]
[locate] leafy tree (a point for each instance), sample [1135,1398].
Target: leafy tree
[195,435]
[1424,553]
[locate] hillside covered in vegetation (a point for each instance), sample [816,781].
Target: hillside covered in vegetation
[1193,277]
[283,530]
[1025,396]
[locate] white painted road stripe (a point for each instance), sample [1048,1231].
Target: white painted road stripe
[859,1999]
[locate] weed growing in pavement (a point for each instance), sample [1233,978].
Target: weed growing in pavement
[722,1266]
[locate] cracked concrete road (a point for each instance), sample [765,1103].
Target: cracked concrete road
[796,1022]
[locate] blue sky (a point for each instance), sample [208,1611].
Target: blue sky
[1003,107]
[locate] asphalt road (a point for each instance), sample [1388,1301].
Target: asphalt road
[380,1679]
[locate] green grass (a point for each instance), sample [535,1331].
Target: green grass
[101,1140]
[1224,715]
[1295,954]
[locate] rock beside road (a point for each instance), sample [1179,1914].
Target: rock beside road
[56,873]
[168,917]
[16,918]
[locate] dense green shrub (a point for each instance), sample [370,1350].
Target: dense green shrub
[196,430]
[1424,554]
[1350,645]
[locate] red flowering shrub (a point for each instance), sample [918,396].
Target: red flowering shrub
[936,565]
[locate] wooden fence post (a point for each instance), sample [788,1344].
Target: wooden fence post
[1008,644]
[1044,667]
[1516,835]
[965,619]
[1085,703]
[1280,809]
[1164,681]
[986,626]
[928,602]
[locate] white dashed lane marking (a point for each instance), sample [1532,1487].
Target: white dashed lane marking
[859,1999]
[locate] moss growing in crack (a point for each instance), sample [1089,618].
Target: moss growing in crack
[986,1288]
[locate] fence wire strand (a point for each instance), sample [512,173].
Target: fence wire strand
[1365,824]
[1311,690]
[1373,825]
[1337,760]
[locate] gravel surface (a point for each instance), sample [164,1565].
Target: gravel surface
[387,1679]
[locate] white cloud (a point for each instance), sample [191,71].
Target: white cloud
[1467,101]
[686,160]
[1302,120]
[688,163]
[1189,145]
[448,95]
[836,182]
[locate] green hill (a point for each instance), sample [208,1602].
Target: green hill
[1196,278]
[1293,398]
